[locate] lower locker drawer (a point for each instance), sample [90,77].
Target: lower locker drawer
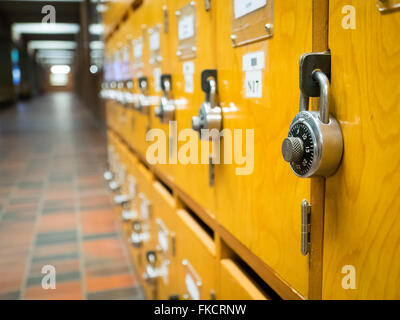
[195,252]
[234,284]
[165,233]
[141,228]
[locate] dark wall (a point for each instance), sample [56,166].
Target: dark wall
[6,85]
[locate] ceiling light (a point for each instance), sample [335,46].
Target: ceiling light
[60,69]
[43,28]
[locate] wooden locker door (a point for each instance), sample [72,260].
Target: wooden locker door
[362,222]
[261,208]
[159,64]
[186,77]
[139,27]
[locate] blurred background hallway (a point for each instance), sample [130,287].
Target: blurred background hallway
[55,207]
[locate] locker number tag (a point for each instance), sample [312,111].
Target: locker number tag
[188,73]
[243,7]
[253,64]
[186,27]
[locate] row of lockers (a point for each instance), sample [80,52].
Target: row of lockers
[253,55]
[175,255]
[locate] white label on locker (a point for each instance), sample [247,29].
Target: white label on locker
[144,209]
[188,72]
[186,27]
[163,240]
[243,7]
[138,49]
[157,79]
[191,287]
[253,61]
[132,187]
[155,40]
[125,54]
[253,84]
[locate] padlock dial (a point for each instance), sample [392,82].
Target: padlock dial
[303,164]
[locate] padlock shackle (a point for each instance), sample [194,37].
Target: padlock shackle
[304,102]
[324,88]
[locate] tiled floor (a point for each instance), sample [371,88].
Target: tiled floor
[54,206]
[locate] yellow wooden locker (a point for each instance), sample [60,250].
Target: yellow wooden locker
[130,98]
[192,50]
[259,202]
[234,284]
[159,71]
[165,234]
[362,226]
[142,119]
[195,252]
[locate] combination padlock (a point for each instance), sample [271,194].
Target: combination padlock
[166,110]
[210,114]
[143,103]
[314,145]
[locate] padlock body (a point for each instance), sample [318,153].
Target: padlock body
[322,145]
[167,108]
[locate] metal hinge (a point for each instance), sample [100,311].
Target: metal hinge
[305,227]
[211,175]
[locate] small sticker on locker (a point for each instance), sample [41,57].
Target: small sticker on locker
[253,61]
[244,7]
[157,79]
[188,72]
[186,27]
[163,240]
[155,40]
[138,48]
[253,84]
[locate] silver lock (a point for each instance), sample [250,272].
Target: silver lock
[143,104]
[122,199]
[114,185]
[210,114]
[139,234]
[108,175]
[129,214]
[314,145]
[152,271]
[166,111]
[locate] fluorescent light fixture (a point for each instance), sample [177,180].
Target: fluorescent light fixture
[51,44]
[52,62]
[43,28]
[101,8]
[96,54]
[96,29]
[60,69]
[55,54]
[93,45]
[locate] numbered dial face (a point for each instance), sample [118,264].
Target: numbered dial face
[303,132]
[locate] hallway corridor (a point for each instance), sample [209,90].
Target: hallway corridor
[55,208]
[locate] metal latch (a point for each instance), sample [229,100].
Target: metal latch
[305,227]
